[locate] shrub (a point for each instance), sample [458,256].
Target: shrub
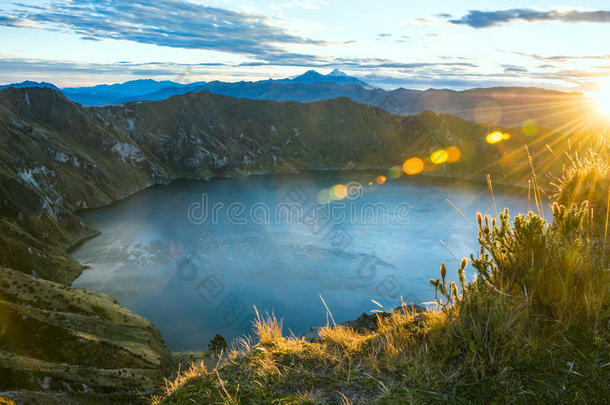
[217,344]
[585,178]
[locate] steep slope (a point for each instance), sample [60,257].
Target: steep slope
[58,338]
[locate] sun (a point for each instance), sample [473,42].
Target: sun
[601,99]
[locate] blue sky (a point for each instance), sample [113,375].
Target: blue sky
[412,44]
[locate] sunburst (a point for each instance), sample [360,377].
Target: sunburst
[601,99]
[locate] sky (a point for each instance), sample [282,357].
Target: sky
[389,44]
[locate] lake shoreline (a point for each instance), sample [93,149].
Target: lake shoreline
[206,178]
[425,195]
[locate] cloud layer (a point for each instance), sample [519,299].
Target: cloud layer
[172,23]
[483,19]
[266,46]
[377,72]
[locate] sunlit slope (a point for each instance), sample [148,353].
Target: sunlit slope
[56,337]
[513,107]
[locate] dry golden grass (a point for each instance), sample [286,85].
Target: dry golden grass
[195,370]
[268,328]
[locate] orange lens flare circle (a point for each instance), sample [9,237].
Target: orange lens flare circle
[413,166]
[454,154]
[339,191]
[381,179]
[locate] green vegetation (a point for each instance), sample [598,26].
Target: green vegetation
[218,344]
[533,326]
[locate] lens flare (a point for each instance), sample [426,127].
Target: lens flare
[439,156]
[381,179]
[339,191]
[601,98]
[453,154]
[413,166]
[325,196]
[529,128]
[354,190]
[395,172]
[494,137]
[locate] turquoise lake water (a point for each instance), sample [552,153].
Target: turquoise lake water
[195,257]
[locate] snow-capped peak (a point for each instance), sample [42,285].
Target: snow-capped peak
[337,72]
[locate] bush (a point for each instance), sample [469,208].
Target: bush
[556,268]
[585,179]
[217,344]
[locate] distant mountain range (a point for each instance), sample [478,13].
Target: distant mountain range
[152,90]
[503,106]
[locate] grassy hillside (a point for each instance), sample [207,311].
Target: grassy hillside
[57,338]
[533,326]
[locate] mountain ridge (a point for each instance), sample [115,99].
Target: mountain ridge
[336,76]
[504,106]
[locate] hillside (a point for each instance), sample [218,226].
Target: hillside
[57,338]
